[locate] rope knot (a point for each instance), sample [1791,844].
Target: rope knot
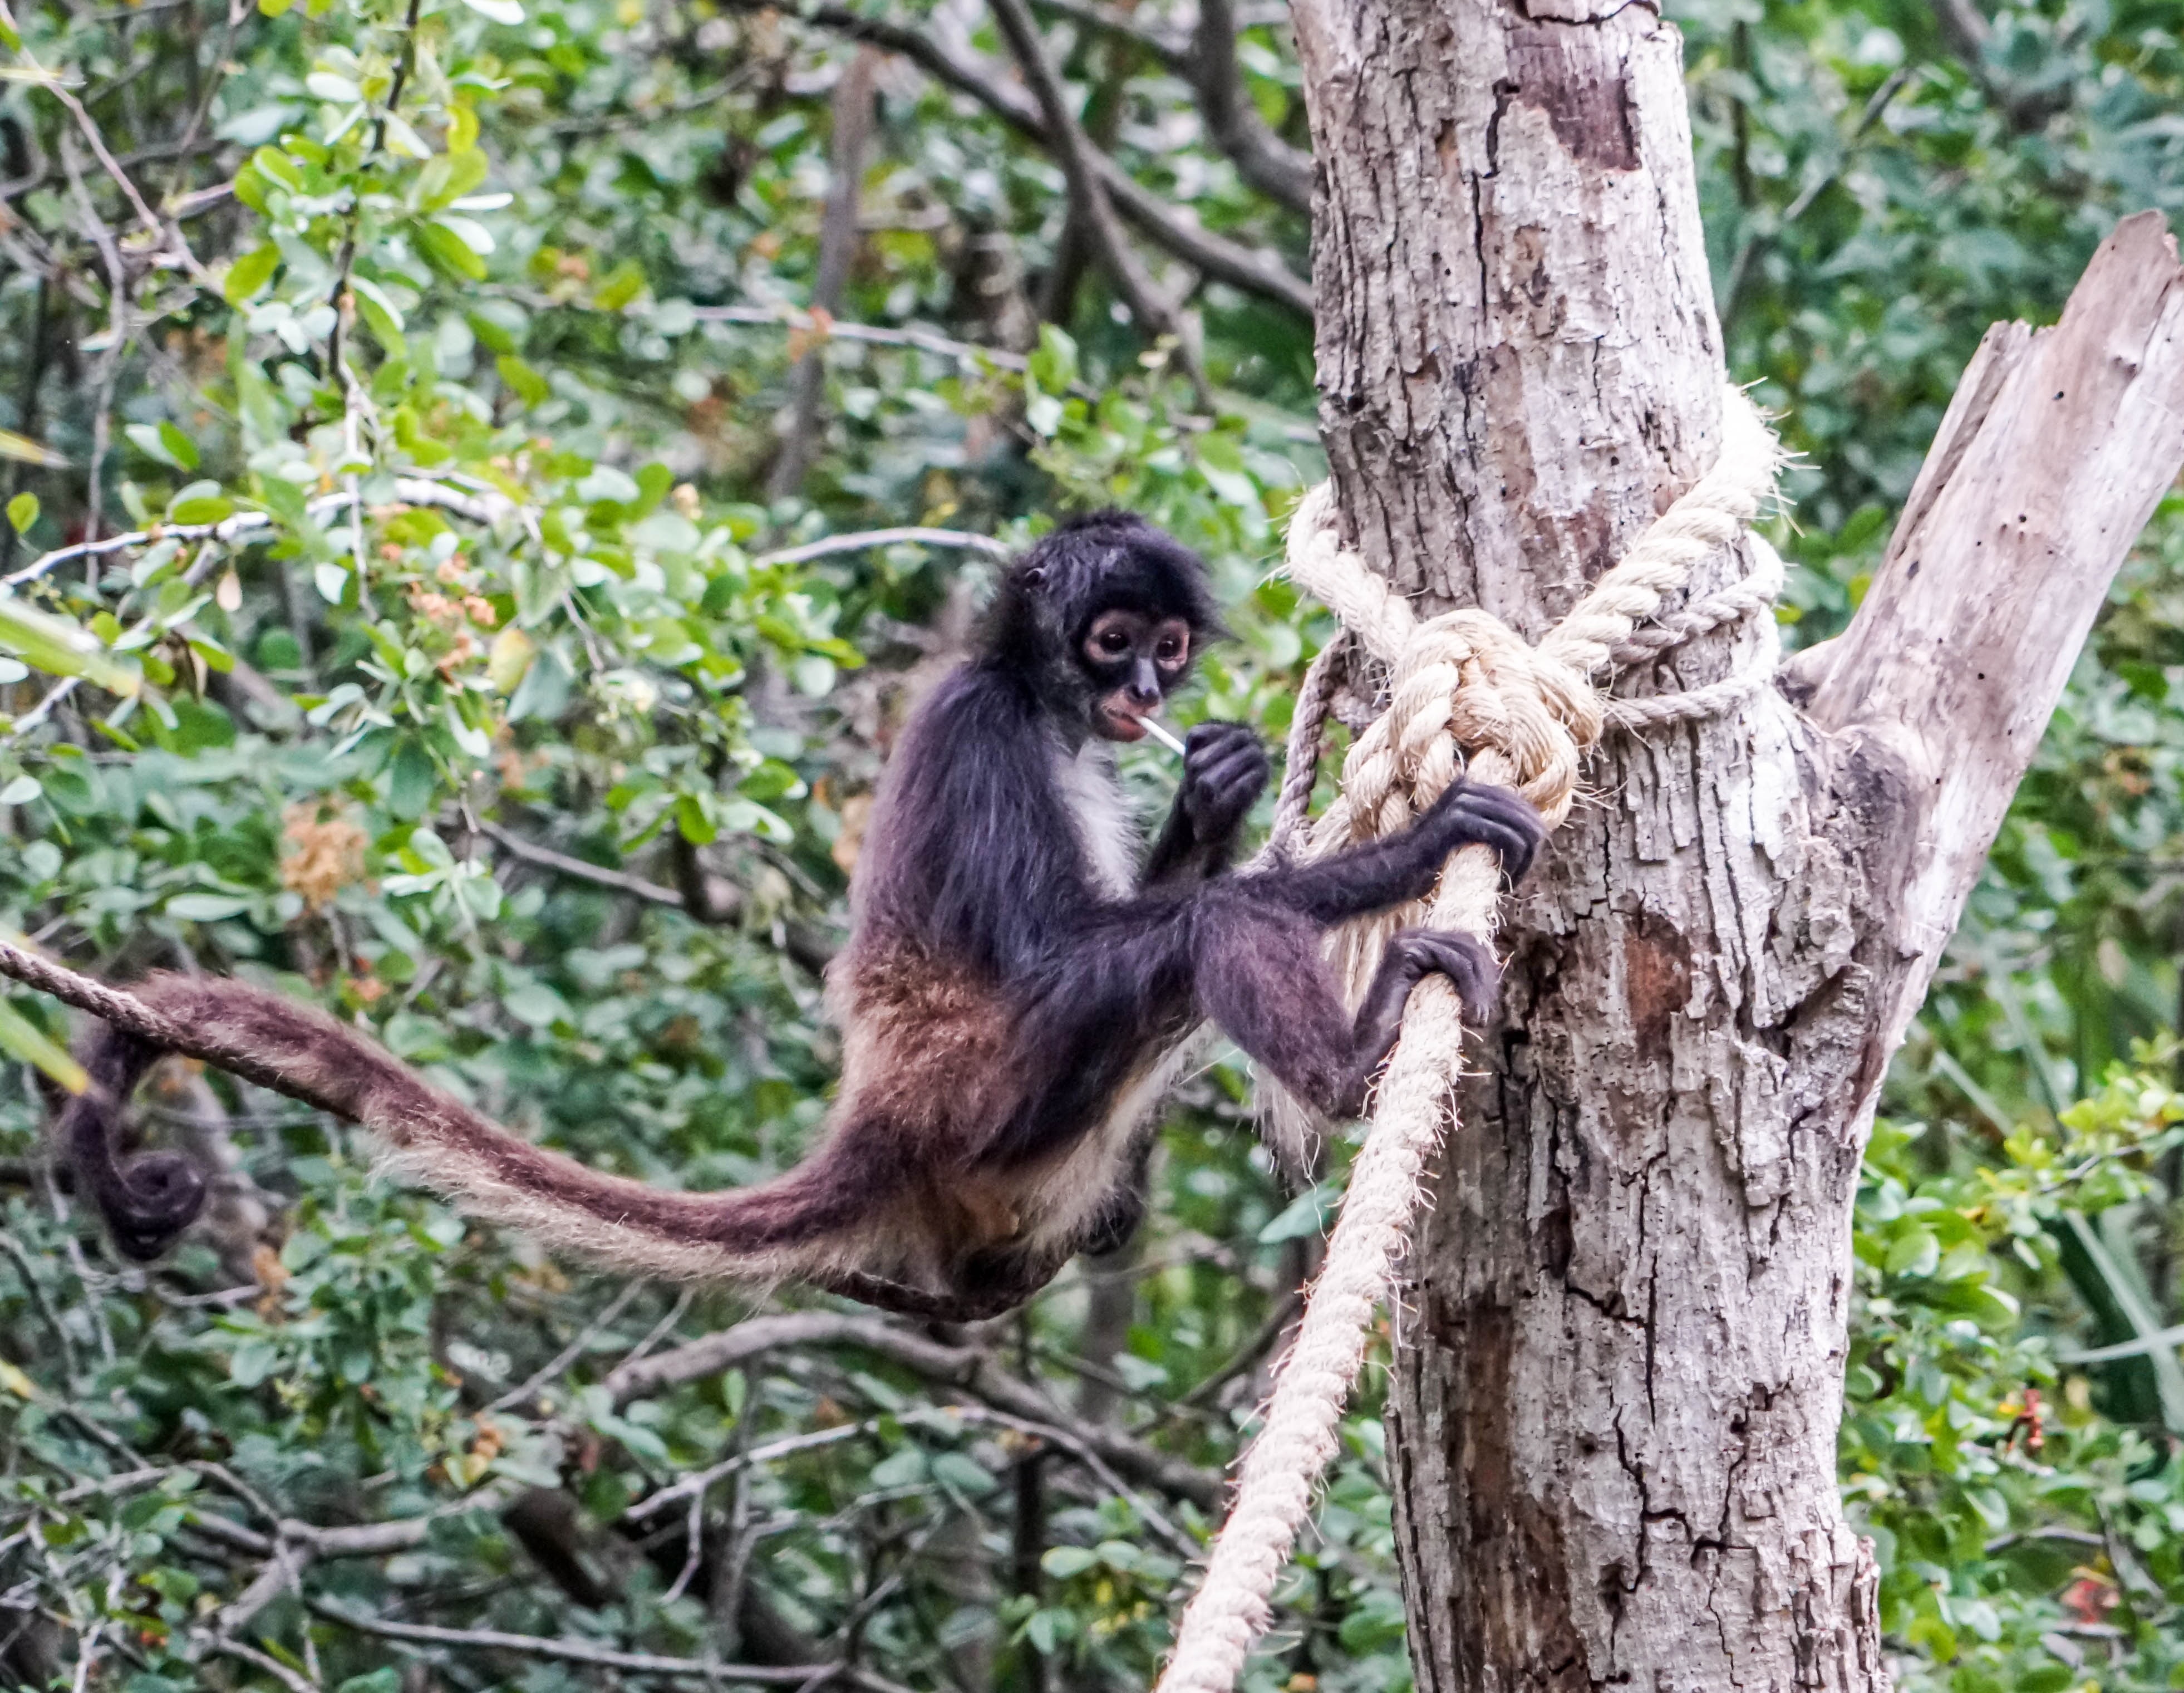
[1465,688]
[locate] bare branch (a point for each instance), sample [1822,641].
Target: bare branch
[583,1652]
[264,1662]
[859,540]
[59,89]
[839,237]
[1088,194]
[969,1368]
[2057,448]
[481,508]
[1170,47]
[1255,270]
[833,329]
[722,904]
[550,1372]
[699,1482]
[581,869]
[1265,160]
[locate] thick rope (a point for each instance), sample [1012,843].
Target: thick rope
[1300,771]
[1527,714]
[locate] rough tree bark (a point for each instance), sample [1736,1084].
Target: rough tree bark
[1617,1395]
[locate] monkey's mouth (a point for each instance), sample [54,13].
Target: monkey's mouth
[1119,720]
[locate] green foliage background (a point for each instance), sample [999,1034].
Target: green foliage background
[518,281]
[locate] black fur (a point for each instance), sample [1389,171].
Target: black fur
[999,996]
[975,860]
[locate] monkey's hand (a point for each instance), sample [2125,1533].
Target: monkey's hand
[1469,812]
[1224,768]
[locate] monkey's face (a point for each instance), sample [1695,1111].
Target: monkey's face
[1132,662]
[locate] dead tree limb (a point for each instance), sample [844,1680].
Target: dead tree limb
[2058,446]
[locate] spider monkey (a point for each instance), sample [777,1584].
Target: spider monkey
[1013,998]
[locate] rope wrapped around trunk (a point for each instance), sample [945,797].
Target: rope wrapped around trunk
[1463,689]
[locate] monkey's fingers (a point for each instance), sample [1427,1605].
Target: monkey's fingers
[1466,963]
[1212,736]
[1244,769]
[1494,817]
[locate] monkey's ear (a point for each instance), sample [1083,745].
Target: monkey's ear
[1033,577]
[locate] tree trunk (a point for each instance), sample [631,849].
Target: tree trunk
[1617,1392]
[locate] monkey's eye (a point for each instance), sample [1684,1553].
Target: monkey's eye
[1170,650]
[1114,642]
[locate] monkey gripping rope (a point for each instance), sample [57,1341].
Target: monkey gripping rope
[1463,681]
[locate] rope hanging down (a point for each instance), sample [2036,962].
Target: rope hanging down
[1527,714]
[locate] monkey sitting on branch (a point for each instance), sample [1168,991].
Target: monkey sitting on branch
[1012,1000]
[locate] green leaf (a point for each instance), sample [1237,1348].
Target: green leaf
[59,647]
[621,286]
[500,11]
[22,511]
[202,723]
[692,821]
[450,252]
[24,450]
[183,449]
[21,1038]
[206,908]
[469,230]
[449,176]
[200,502]
[1063,1561]
[525,384]
[412,781]
[149,441]
[536,1005]
[250,273]
[381,314]
[1915,1252]
[508,659]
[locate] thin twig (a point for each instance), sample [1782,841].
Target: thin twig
[859,540]
[59,89]
[1088,193]
[483,508]
[39,1303]
[1249,1353]
[294,1680]
[117,342]
[550,1372]
[578,1651]
[1256,271]
[580,869]
[697,1485]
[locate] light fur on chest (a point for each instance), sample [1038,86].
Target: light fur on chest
[1106,826]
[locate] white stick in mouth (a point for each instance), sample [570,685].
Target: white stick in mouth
[1160,735]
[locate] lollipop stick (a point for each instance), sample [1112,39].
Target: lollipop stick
[1160,735]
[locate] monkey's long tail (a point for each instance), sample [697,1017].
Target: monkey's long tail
[797,1225]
